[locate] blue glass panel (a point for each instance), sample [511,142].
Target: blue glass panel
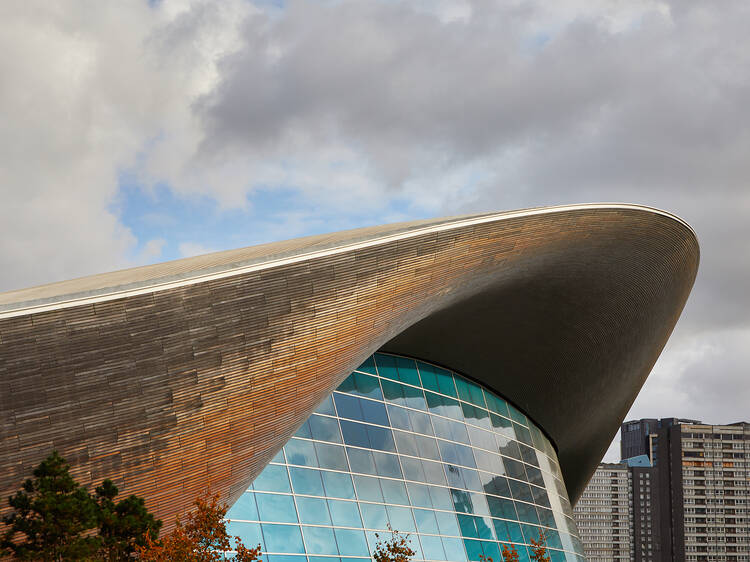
[407,371]
[432,547]
[374,516]
[500,507]
[427,447]
[249,533]
[326,407]
[355,434]
[324,429]
[244,508]
[441,498]
[387,465]
[399,417]
[401,519]
[304,431]
[348,406]
[482,439]
[437,379]
[306,481]
[484,527]
[520,491]
[476,416]
[412,469]
[331,456]
[467,526]
[419,494]
[351,543]
[527,513]
[300,452]
[368,488]
[283,538]
[514,469]
[462,501]
[420,422]
[433,472]
[502,426]
[277,508]
[320,540]
[507,447]
[480,504]
[285,558]
[497,485]
[514,531]
[447,523]
[374,412]
[473,549]
[522,433]
[414,398]
[530,532]
[405,443]
[491,550]
[279,457]
[313,511]
[528,455]
[517,416]
[363,385]
[489,462]
[469,392]
[381,438]
[444,406]
[448,429]
[274,478]
[394,491]
[540,496]
[344,514]
[454,549]
[361,461]
[426,522]
[338,485]
[496,404]
[535,475]
[471,479]
[386,366]
[368,366]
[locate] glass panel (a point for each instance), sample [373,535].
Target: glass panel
[447,523]
[348,406]
[320,540]
[374,515]
[407,371]
[426,522]
[249,533]
[452,430]
[338,485]
[399,417]
[344,514]
[394,492]
[283,538]
[381,439]
[432,547]
[387,465]
[306,481]
[244,508]
[331,456]
[516,415]
[420,422]
[433,472]
[313,510]
[419,494]
[300,452]
[386,366]
[368,488]
[304,431]
[454,549]
[401,519]
[437,379]
[515,469]
[361,461]
[325,429]
[274,478]
[441,498]
[470,392]
[374,412]
[368,366]
[275,507]
[413,469]
[326,407]
[405,443]
[427,447]
[476,416]
[351,542]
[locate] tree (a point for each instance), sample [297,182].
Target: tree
[539,549]
[53,514]
[123,525]
[203,538]
[510,554]
[394,549]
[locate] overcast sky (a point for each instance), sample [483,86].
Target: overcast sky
[136,132]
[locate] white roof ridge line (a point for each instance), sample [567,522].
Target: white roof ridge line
[23,308]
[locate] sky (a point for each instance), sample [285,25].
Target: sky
[138,132]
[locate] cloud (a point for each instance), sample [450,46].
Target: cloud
[190,249]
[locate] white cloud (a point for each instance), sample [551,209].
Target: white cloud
[190,249]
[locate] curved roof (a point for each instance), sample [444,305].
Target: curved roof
[173,376]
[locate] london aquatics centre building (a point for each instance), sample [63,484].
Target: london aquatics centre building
[457,379]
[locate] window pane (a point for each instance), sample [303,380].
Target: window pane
[381,438]
[300,452]
[482,439]
[249,533]
[361,461]
[274,478]
[368,366]
[401,519]
[419,494]
[516,415]
[320,540]
[387,465]
[407,371]
[325,429]
[496,404]
[304,431]
[386,366]
[520,491]
[405,443]
[344,514]
[500,507]
[441,498]
[331,456]
[489,462]
[399,417]
[447,523]
[437,379]
[394,492]
[368,488]
[313,510]
[326,407]
[469,392]
[433,472]
[527,513]
[412,469]
[502,426]
[420,422]
[355,434]
[338,485]
[528,455]
[427,447]
[414,398]
[523,434]
[244,508]
[283,538]
[374,412]
[374,516]
[454,549]
[515,469]
[475,415]
[473,549]
[448,429]
[348,406]
[432,547]
[276,508]
[306,481]
[351,543]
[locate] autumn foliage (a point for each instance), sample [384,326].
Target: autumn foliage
[394,549]
[202,538]
[539,549]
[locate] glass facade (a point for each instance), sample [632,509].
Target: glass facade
[413,445]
